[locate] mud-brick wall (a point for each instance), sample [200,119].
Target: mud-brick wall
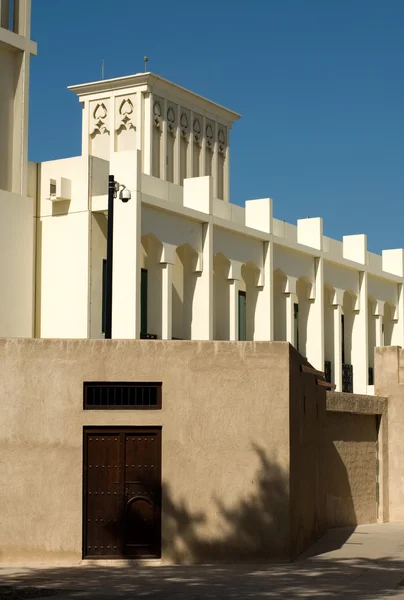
[351,461]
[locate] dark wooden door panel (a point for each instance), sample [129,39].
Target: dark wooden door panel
[142,493]
[122,492]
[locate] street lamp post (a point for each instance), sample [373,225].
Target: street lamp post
[125,196]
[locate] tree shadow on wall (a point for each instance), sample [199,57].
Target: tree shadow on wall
[253,528]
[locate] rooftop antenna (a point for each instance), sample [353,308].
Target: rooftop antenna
[103,69]
[145,63]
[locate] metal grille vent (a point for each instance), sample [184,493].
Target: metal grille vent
[122,395]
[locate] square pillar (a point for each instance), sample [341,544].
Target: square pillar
[234,277]
[166,301]
[202,165]
[126,263]
[337,302]
[379,331]
[167,260]
[163,149]
[177,149]
[315,321]
[359,351]
[202,303]
[290,292]
[148,134]
[264,308]
[290,319]
[233,309]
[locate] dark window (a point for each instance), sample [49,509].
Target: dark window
[347,378]
[143,303]
[327,371]
[121,395]
[104,295]
[242,316]
[343,338]
[296,324]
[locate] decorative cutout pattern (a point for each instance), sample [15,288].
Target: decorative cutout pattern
[184,124]
[157,113]
[197,130]
[209,135]
[100,114]
[171,119]
[221,139]
[126,111]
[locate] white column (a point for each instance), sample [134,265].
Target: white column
[234,284]
[202,165]
[202,303]
[215,165]
[126,263]
[24,18]
[163,149]
[85,141]
[148,134]
[290,292]
[359,351]
[177,149]
[20,134]
[315,321]
[379,331]
[379,314]
[337,363]
[226,174]
[190,158]
[290,320]
[139,122]
[264,309]
[4,12]
[112,121]
[398,329]
[167,261]
[233,309]
[167,301]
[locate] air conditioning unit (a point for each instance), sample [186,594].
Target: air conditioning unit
[60,189]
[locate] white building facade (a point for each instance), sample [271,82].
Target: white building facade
[188,264]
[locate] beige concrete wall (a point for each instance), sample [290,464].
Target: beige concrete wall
[307,423]
[350,468]
[16,265]
[389,382]
[225,432]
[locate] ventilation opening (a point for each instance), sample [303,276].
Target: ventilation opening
[108,395]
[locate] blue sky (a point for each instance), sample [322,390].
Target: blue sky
[320,85]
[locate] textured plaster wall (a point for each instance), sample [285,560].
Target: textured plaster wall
[389,364]
[225,436]
[307,423]
[350,474]
[16,265]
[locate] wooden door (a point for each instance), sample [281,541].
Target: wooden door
[122,492]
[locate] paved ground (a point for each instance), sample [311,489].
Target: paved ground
[366,564]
